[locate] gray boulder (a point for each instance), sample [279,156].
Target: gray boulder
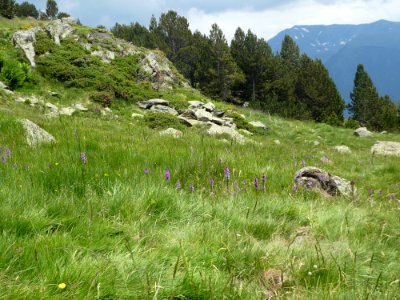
[61,29]
[386,148]
[36,135]
[203,115]
[327,184]
[342,149]
[362,132]
[149,103]
[164,109]
[195,104]
[236,136]
[26,39]
[67,111]
[258,124]
[210,107]
[190,122]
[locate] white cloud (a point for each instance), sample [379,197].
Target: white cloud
[267,23]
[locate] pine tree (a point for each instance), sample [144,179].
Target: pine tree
[7,8]
[364,97]
[290,52]
[51,9]
[26,9]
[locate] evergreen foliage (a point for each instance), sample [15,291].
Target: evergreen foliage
[14,73]
[7,8]
[51,9]
[368,107]
[26,9]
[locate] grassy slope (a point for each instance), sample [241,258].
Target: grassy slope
[109,231]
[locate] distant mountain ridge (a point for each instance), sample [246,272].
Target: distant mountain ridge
[342,47]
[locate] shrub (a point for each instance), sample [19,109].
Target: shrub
[162,121]
[14,73]
[102,97]
[333,120]
[351,123]
[44,44]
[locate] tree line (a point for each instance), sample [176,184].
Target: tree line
[10,9]
[287,83]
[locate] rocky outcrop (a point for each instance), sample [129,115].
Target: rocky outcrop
[164,109]
[258,124]
[386,148]
[362,132]
[36,135]
[61,29]
[329,185]
[233,134]
[26,39]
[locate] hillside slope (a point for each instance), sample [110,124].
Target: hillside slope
[343,47]
[112,209]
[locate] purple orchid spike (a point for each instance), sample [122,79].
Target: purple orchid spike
[212,182]
[227,173]
[264,180]
[8,152]
[256,184]
[3,159]
[303,163]
[146,171]
[83,158]
[294,188]
[167,174]
[191,188]
[178,185]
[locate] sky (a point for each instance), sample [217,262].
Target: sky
[266,18]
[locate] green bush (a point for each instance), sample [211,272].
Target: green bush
[351,123]
[156,120]
[102,97]
[44,44]
[333,120]
[14,73]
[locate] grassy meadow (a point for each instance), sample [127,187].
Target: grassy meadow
[112,226]
[93,215]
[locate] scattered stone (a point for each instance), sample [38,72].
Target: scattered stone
[67,111]
[218,130]
[217,121]
[218,113]
[325,159]
[329,185]
[210,107]
[36,135]
[362,132]
[5,88]
[172,132]
[203,115]
[195,104]
[384,132]
[137,116]
[53,94]
[342,149]
[245,132]
[80,107]
[164,109]
[258,124]
[386,148]
[188,114]
[149,103]
[190,122]
[51,106]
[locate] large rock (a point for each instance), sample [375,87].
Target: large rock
[362,132]
[342,149]
[26,39]
[195,104]
[172,132]
[149,103]
[67,111]
[36,135]
[258,124]
[203,115]
[386,148]
[218,130]
[190,122]
[61,29]
[164,109]
[210,107]
[327,184]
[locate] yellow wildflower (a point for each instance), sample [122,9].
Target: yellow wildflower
[62,286]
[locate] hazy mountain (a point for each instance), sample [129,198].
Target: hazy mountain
[343,47]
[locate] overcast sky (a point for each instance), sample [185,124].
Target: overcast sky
[264,17]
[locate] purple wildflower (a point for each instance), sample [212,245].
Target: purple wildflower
[3,159]
[371,192]
[84,157]
[146,171]
[212,182]
[294,188]
[227,173]
[167,174]
[245,185]
[8,152]
[191,188]
[263,180]
[256,184]
[178,185]
[303,163]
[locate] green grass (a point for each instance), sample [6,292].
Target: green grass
[109,231]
